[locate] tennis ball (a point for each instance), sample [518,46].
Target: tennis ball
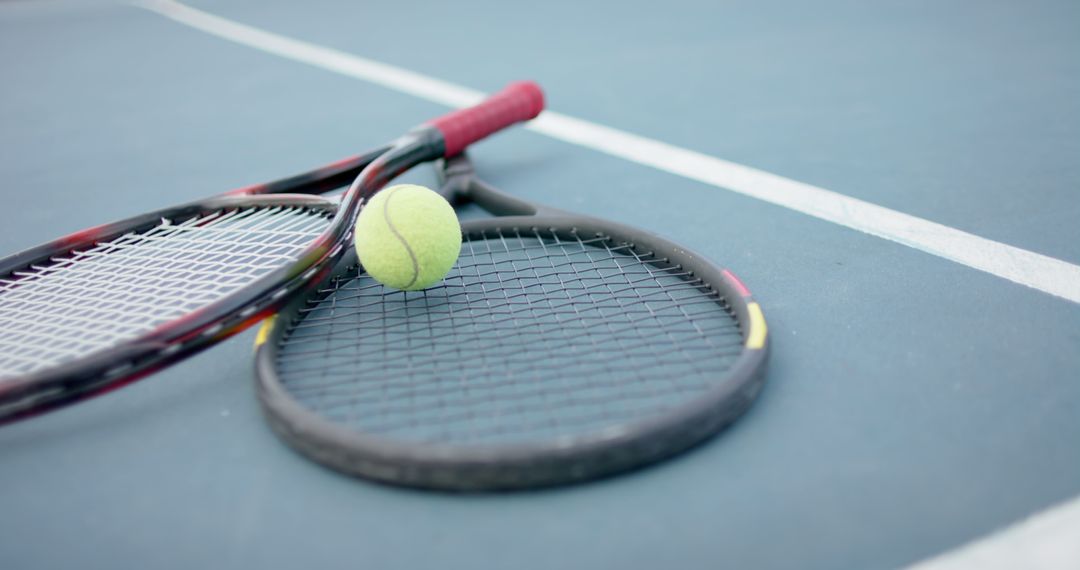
[407,237]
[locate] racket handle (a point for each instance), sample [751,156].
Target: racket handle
[519,101]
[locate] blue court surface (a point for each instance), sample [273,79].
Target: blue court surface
[895,181]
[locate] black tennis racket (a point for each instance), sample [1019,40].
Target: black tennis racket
[560,348]
[103,307]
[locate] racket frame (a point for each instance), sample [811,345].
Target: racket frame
[525,465]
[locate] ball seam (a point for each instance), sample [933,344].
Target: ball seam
[400,238]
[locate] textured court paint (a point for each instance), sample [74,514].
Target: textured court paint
[332,60]
[758,328]
[1034,270]
[1046,541]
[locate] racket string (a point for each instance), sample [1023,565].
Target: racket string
[535,334]
[635,368]
[535,400]
[116,290]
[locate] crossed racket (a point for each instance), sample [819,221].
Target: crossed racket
[560,348]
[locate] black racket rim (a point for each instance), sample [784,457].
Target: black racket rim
[527,465]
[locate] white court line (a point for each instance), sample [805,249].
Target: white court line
[1049,540]
[1037,271]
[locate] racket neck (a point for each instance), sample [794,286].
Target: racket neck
[422,144]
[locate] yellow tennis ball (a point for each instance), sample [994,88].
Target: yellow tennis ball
[407,237]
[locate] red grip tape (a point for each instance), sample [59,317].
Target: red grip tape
[519,101]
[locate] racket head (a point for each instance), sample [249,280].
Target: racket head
[105,306]
[561,348]
[55,378]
